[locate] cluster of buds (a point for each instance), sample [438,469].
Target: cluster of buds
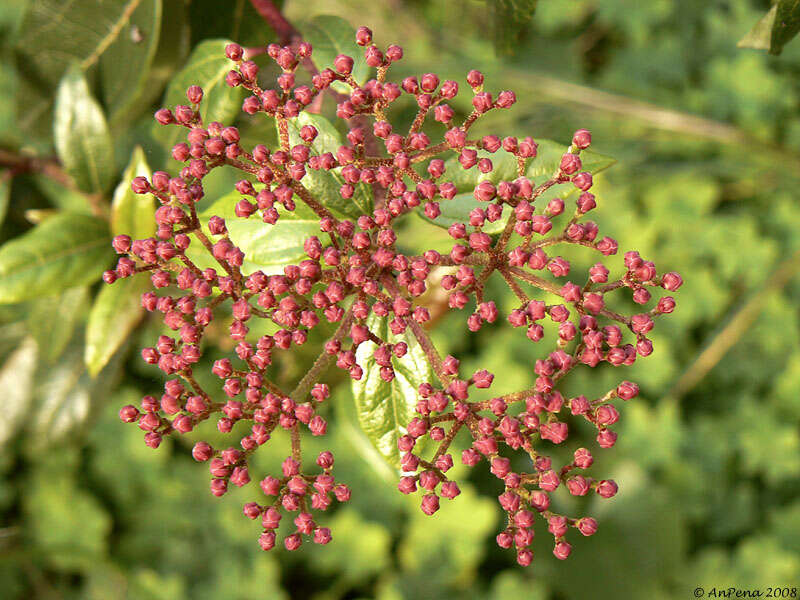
[354,270]
[443,412]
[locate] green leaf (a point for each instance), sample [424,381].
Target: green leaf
[65,251]
[760,36]
[235,19]
[349,428]
[65,396]
[125,65]
[206,67]
[504,165]
[548,158]
[786,24]
[327,140]
[384,409]
[16,381]
[62,197]
[52,320]
[69,527]
[63,399]
[447,550]
[775,29]
[457,211]
[81,135]
[116,311]
[511,584]
[266,245]
[331,36]
[5,193]
[132,214]
[174,44]
[35,216]
[355,557]
[325,185]
[511,19]
[56,34]
[769,445]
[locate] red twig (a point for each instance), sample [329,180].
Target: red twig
[285,31]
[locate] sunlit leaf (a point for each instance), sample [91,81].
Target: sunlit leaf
[325,185]
[263,244]
[538,170]
[66,250]
[16,381]
[52,320]
[775,29]
[760,36]
[81,135]
[116,311]
[385,408]
[206,67]
[330,36]
[131,213]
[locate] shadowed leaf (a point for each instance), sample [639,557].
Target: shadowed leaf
[511,19]
[56,34]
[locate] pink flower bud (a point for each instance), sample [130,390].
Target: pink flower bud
[587,526]
[343,64]
[627,390]
[475,78]
[562,550]
[570,163]
[549,481]
[195,94]
[450,490]
[578,486]
[671,281]
[582,138]
[129,414]
[322,535]
[583,458]
[606,438]
[607,488]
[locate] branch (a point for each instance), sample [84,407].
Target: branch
[288,35]
[50,168]
[547,286]
[285,31]
[322,362]
[422,338]
[736,327]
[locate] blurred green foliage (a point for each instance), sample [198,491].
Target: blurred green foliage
[707,139]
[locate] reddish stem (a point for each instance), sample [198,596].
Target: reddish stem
[272,15]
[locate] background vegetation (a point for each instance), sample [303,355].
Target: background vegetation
[707,139]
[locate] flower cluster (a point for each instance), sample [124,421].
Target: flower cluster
[354,270]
